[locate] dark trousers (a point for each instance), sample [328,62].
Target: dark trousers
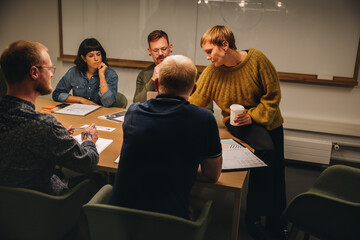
[266,189]
[73,179]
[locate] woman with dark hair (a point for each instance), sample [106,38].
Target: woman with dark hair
[92,80]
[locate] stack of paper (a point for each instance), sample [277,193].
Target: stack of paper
[238,157]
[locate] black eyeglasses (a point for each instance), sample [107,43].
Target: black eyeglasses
[52,68]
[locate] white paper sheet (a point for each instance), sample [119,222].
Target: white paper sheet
[237,157]
[78,109]
[101,143]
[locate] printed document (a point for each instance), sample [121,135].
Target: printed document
[115,117]
[78,109]
[237,157]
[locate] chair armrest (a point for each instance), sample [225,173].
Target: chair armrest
[102,196]
[204,215]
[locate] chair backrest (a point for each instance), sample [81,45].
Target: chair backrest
[330,209]
[121,101]
[29,214]
[113,222]
[339,181]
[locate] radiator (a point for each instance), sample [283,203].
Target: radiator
[307,149]
[347,153]
[321,141]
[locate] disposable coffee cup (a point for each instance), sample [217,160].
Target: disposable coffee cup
[235,109]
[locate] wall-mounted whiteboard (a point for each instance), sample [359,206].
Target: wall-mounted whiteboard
[122,26]
[302,36]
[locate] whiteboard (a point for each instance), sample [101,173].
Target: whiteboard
[122,26]
[302,36]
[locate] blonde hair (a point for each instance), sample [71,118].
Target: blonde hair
[177,75]
[217,35]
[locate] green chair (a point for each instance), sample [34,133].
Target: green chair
[113,222]
[330,209]
[121,101]
[3,87]
[29,214]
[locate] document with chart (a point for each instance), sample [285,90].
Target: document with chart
[115,117]
[78,109]
[238,157]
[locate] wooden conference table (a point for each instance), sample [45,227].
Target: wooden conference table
[228,181]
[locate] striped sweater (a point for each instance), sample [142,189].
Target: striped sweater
[253,83]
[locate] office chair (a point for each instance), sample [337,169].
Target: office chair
[113,222]
[121,101]
[27,214]
[330,209]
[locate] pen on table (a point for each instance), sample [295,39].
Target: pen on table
[73,129]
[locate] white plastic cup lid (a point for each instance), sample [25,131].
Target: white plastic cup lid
[237,108]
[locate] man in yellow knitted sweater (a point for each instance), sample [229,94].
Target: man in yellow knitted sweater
[249,78]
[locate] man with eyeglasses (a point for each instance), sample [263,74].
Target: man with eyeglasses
[33,143]
[159,49]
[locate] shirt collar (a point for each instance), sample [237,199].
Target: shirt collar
[167,97]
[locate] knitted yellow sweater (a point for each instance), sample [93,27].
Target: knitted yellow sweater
[253,83]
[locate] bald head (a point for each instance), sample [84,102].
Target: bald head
[177,75]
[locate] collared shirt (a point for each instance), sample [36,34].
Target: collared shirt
[33,143]
[174,137]
[81,86]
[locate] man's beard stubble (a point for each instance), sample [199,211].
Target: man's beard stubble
[43,89]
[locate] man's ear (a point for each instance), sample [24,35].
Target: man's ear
[149,51]
[171,47]
[194,89]
[34,72]
[156,84]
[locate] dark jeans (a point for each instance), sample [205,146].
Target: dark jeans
[266,189]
